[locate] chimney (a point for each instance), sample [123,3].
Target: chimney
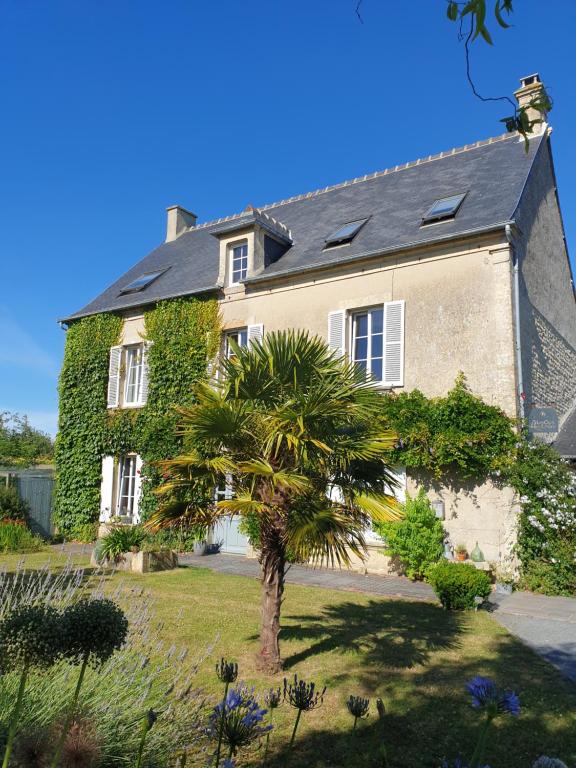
[531,89]
[178,220]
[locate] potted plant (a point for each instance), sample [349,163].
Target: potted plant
[461,553]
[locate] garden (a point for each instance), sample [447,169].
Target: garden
[416,657]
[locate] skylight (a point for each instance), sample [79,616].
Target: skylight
[142,281]
[346,233]
[444,208]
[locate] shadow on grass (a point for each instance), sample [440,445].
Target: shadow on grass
[391,633]
[432,719]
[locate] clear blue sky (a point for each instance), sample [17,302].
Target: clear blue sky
[114,109]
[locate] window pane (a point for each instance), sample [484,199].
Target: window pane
[377,369]
[377,345]
[377,320]
[361,349]
[361,325]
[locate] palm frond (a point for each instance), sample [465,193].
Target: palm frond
[382,508]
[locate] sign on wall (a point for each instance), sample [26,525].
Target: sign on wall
[543,423]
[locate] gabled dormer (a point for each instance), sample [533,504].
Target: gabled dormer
[249,244]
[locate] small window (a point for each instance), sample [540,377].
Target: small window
[142,282]
[238,263]
[444,208]
[345,234]
[126,484]
[239,337]
[368,342]
[134,374]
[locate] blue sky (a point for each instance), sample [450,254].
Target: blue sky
[113,110]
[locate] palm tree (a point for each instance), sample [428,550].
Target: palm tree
[298,434]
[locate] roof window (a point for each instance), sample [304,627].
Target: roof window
[443,208]
[142,282]
[345,234]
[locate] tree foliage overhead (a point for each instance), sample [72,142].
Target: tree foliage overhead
[20,443]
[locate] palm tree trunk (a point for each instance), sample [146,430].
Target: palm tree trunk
[273,563]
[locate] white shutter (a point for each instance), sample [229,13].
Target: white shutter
[255,333]
[145,378]
[137,489]
[114,377]
[106,488]
[399,491]
[393,373]
[336,332]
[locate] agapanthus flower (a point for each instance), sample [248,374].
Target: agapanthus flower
[486,695]
[239,718]
[549,762]
[459,763]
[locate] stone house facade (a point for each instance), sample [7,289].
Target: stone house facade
[454,262]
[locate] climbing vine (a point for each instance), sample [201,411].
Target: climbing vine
[184,335]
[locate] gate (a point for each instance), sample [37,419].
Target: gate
[35,487]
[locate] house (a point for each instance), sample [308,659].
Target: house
[453,262]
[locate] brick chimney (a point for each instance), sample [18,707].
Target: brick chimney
[178,220]
[531,89]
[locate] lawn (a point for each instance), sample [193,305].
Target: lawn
[413,655]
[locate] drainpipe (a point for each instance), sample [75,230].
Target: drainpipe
[516,302]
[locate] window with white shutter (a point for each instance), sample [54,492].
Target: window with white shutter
[107,489]
[378,343]
[394,343]
[336,332]
[114,377]
[255,333]
[145,376]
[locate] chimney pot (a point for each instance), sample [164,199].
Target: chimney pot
[178,220]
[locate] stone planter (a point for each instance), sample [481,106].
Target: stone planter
[200,548]
[503,589]
[141,562]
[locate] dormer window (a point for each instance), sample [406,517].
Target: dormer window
[238,263]
[444,208]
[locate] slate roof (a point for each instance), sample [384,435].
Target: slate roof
[492,172]
[565,442]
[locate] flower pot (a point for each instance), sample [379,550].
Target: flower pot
[134,549]
[461,556]
[200,547]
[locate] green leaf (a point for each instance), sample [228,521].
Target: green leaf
[498,14]
[452,11]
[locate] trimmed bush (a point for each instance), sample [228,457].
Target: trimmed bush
[457,584]
[15,537]
[12,507]
[418,539]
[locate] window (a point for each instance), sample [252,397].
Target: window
[238,263]
[134,357]
[345,234]
[368,341]
[126,485]
[240,337]
[444,208]
[141,282]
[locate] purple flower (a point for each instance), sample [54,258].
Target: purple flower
[228,763]
[240,720]
[486,695]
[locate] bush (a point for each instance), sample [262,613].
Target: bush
[418,539]
[15,537]
[12,507]
[557,578]
[118,541]
[457,584]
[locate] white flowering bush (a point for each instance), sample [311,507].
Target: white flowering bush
[547,531]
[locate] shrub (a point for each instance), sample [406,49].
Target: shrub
[457,584]
[418,539]
[12,507]
[17,538]
[120,540]
[549,578]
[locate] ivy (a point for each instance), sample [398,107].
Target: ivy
[459,433]
[184,335]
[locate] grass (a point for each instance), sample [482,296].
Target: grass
[415,656]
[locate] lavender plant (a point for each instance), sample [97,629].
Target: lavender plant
[304,697]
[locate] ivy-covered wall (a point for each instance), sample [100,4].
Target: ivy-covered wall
[184,335]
